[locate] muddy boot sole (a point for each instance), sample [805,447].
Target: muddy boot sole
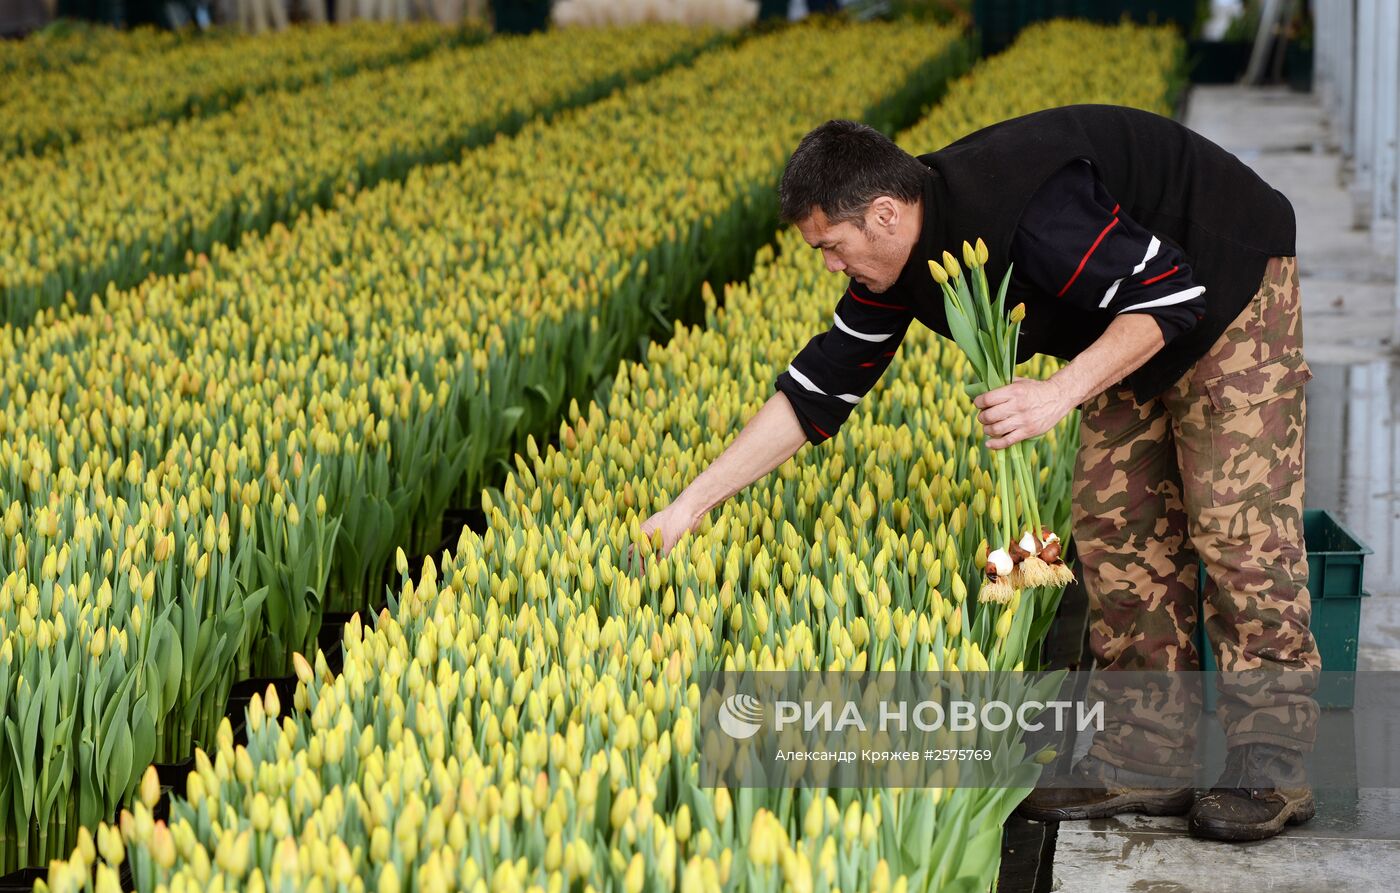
[1167,803]
[1296,813]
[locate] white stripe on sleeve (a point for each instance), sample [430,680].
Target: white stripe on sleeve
[1151,253]
[811,386]
[1108,295]
[841,324]
[1179,297]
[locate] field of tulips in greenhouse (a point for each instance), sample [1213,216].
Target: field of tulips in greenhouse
[265,334]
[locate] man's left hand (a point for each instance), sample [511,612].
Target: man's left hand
[1024,409]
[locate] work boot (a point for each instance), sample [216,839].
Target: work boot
[1262,789]
[1100,790]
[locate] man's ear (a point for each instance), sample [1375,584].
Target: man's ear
[884,213]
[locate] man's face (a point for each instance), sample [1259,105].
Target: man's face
[874,256]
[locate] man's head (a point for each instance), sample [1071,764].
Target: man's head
[856,196]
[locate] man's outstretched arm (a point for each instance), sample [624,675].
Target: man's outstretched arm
[767,440]
[813,397]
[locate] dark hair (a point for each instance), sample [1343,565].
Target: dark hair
[841,167]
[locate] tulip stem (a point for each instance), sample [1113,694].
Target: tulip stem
[1007,507]
[1021,462]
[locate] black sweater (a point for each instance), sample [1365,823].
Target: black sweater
[1210,224]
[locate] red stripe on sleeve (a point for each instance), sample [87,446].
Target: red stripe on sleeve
[874,303]
[819,430]
[868,365]
[1160,276]
[1115,210]
[1085,259]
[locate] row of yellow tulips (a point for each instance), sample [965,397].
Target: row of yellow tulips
[73,42]
[106,212]
[524,717]
[149,76]
[196,464]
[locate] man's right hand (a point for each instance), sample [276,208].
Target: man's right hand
[674,521]
[770,438]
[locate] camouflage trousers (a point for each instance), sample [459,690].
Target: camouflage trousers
[1212,468]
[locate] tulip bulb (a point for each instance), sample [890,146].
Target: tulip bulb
[999,562]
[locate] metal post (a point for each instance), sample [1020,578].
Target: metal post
[1383,133]
[1264,40]
[1324,54]
[1334,61]
[1365,128]
[1394,114]
[1345,63]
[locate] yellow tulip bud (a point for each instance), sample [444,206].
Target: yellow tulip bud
[150,787]
[194,788]
[636,875]
[1003,627]
[86,848]
[950,264]
[256,715]
[107,881]
[302,668]
[232,853]
[812,822]
[98,643]
[583,858]
[683,823]
[379,844]
[260,812]
[109,844]
[142,826]
[850,825]
[163,845]
[722,805]
[389,879]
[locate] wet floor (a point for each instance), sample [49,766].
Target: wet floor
[1155,855]
[1353,471]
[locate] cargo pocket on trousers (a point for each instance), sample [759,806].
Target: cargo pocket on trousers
[1257,428]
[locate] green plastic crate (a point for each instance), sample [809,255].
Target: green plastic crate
[1335,563]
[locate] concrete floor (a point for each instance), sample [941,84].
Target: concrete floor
[1353,468]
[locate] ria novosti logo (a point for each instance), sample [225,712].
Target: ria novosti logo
[740,716]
